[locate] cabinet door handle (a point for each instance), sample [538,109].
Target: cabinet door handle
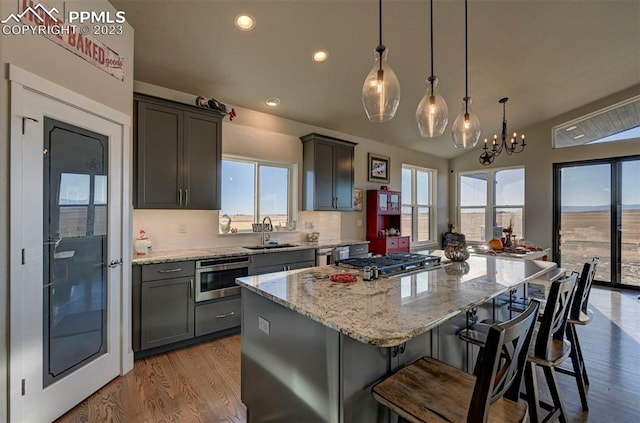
[222,316]
[186,197]
[191,288]
[179,197]
[177,269]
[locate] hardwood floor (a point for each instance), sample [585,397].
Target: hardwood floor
[201,383]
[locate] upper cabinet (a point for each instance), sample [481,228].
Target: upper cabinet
[178,150]
[386,202]
[328,173]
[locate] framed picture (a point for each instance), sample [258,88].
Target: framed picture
[378,168]
[358,195]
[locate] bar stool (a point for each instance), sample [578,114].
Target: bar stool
[429,390]
[580,315]
[548,350]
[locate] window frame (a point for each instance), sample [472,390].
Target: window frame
[291,188]
[415,206]
[490,207]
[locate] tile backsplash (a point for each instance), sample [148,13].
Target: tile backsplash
[185,229]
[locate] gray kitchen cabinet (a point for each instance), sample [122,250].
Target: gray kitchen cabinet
[328,173]
[178,150]
[218,315]
[163,304]
[279,261]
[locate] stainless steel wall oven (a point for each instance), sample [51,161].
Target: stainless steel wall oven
[216,277]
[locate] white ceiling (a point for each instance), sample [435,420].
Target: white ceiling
[548,57]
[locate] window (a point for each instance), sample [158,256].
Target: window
[615,123]
[253,189]
[491,199]
[83,207]
[417,203]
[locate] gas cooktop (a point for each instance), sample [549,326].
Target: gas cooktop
[393,262]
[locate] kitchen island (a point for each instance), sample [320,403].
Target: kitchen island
[312,348]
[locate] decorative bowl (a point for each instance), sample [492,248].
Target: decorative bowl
[456,252]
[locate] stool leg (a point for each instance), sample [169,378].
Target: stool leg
[531,394]
[550,376]
[578,365]
[580,358]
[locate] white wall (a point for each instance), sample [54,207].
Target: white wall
[538,159]
[256,134]
[44,58]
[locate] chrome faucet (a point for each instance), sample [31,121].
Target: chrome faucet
[265,236]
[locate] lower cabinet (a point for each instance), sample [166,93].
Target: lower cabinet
[390,244]
[164,308]
[167,312]
[217,315]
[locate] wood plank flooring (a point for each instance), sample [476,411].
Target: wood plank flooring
[201,383]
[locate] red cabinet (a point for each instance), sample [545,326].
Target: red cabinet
[386,202]
[384,213]
[389,244]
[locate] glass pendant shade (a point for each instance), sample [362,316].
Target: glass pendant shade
[432,114]
[466,128]
[381,90]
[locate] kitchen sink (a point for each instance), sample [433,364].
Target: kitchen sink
[270,246]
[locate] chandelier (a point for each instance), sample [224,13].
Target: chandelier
[511,147]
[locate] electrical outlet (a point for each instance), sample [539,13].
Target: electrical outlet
[182,228]
[359,223]
[263,324]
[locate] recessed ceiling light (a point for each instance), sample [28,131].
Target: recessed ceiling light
[320,56]
[272,101]
[578,136]
[245,22]
[571,128]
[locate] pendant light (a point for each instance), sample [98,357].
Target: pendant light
[432,114]
[466,127]
[381,89]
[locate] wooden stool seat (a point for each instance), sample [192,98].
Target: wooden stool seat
[432,391]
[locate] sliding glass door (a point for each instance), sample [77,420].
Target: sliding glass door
[629,229]
[597,214]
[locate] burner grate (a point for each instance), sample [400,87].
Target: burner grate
[392,262]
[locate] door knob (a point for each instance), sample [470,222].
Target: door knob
[115,263]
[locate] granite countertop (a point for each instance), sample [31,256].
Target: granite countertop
[530,255]
[389,311]
[204,253]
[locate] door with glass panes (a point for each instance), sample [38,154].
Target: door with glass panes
[597,214]
[67,219]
